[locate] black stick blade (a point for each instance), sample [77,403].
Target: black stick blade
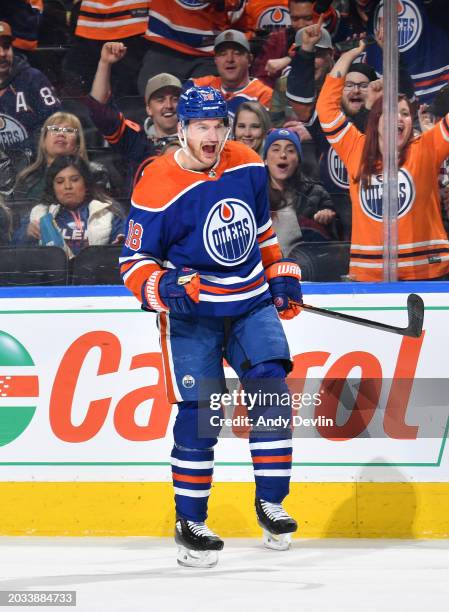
[415,308]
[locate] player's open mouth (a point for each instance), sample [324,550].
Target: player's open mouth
[282,166]
[168,114]
[209,149]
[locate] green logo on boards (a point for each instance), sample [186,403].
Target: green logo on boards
[19,388]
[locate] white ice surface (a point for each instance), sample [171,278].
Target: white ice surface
[140,574]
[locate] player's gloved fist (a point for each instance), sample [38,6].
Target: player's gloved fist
[177,290]
[283,278]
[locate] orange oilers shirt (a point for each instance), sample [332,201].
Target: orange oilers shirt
[255,91]
[112,19]
[264,15]
[188,26]
[423,247]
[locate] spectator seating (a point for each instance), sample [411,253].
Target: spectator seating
[322,261]
[113,164]
[97,265]
[28,266]
[48,59]
[343,208]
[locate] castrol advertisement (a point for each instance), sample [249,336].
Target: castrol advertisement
[82,393]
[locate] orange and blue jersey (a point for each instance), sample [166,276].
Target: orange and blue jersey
[423,247]
[112,19]
[254,91]
[24,17]
[264,15]
[216,222]
[422,43]
[188,26]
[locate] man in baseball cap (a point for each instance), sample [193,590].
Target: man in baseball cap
[27,99]
[161,96]
[5,30]
[232,37]
[134,142]
[233,59]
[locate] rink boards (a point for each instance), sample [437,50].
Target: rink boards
[85,430]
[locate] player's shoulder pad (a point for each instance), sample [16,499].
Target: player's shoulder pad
[161,183]
[239,154]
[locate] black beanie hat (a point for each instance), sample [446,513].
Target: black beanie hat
[365,69]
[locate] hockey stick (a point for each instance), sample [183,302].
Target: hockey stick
[415,310]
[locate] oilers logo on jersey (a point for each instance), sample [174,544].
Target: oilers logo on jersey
[12,132]
[192,4]
[409,23]
[337,170]
[274,17]
[229,232]
[371,197]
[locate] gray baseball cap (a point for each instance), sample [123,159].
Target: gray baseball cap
[325,41]
[232,36]
[159,81]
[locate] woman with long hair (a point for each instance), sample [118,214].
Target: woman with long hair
[301,209]
[250,125]
[75,211]
[423,247]
[61,134]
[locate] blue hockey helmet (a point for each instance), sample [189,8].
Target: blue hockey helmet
[201,103]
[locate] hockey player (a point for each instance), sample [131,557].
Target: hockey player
[201,252]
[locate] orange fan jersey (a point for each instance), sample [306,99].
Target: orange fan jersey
[255,91]
[264,15]
[423,247]
[112,19]
[188,26]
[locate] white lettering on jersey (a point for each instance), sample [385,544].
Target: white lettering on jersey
[47,96]
[371,198]
[229,232]
[20,102]
[409,23]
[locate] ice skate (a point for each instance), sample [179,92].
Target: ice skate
[198,546]
[277,525]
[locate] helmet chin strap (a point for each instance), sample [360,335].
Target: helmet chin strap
[182,135]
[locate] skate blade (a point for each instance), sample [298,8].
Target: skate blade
[275,541]
[197,558]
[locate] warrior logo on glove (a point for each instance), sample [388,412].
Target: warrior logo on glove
[283,277]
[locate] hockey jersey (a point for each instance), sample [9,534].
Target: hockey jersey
[255,91]
[190,26]
[26,101]
[112,19]
[264,15]
[423,46]
[301,89]
[423,247]
[217,222]
[24,17]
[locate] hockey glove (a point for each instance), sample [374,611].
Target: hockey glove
[176,291]
[283,278]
